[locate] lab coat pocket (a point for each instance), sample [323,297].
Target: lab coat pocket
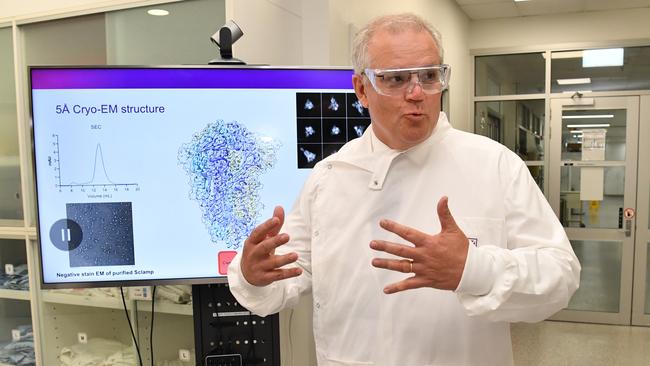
[483,230]
[335,362]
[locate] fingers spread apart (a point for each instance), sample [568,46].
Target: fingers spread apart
[405,232]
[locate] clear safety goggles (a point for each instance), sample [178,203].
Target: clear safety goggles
[394,82]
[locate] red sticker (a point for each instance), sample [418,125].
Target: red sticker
[225,258]
[629,213]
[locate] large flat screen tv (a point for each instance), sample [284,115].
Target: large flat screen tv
[153,175]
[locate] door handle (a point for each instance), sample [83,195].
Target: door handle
[628,214]
[628,228]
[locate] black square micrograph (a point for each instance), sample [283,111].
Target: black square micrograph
[356,127]
[334,130]
[329,149]
[107,234]
[354,107]
[309,155]
[309,130]
[308,104]
[333,104]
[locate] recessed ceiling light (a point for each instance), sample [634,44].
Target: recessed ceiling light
[158,12]
[574,81]
[594,125]
[603,57]
[588,116]
[518,1]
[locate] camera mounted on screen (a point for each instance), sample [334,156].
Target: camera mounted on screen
[224,38]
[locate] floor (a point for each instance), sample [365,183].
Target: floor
[552,343]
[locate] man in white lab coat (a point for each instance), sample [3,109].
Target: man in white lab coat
[397,279]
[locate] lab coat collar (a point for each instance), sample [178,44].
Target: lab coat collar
[372,155]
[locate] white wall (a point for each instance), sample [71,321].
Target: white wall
[561,29]
[272,31]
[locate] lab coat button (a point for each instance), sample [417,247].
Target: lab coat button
[329,166]
[316,233]
[317,305]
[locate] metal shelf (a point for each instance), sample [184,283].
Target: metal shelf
[14,295]
[166,307]
[81,300]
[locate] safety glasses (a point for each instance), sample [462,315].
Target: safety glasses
[394,82]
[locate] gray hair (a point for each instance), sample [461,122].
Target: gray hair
[394,24]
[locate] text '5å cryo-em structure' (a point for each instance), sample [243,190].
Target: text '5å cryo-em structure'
[224,162]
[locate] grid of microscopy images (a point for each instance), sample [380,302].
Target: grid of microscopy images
[326,121]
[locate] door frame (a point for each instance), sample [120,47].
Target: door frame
[639,317]
[631,104]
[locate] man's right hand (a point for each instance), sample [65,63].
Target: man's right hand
[259,264]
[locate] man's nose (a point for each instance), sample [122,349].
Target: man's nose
[414,90]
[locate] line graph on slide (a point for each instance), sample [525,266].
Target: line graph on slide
[96,177]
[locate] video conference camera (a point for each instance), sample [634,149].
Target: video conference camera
[224,38]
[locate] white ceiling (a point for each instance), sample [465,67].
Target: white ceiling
[491,9]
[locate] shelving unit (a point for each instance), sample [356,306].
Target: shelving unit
[63,322]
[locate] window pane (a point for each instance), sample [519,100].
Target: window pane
[578,209]
[517,124]
[11,207]
[509,74]
[615,69]
[600,278]
[71,41]
[133,37]
[605,129]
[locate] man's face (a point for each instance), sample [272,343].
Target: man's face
[405,120]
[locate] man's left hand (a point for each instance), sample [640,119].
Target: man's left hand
[436,260]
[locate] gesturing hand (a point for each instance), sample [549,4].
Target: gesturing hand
[436,260]
[259,264]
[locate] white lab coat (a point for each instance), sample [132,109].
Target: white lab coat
[520,266]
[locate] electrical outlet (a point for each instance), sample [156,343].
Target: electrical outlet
[184,355]
[140,293]
[82,337]
[9,269]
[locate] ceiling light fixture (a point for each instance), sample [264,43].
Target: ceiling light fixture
[158,12]
[603,57]
[574,81]
[588,116]
[595,125]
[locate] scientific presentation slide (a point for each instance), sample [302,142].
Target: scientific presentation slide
[161,174]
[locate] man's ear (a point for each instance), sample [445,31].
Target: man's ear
[360,89]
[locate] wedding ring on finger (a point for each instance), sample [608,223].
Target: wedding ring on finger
[411,267]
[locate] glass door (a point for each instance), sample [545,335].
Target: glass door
[641,298]
[592,188]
